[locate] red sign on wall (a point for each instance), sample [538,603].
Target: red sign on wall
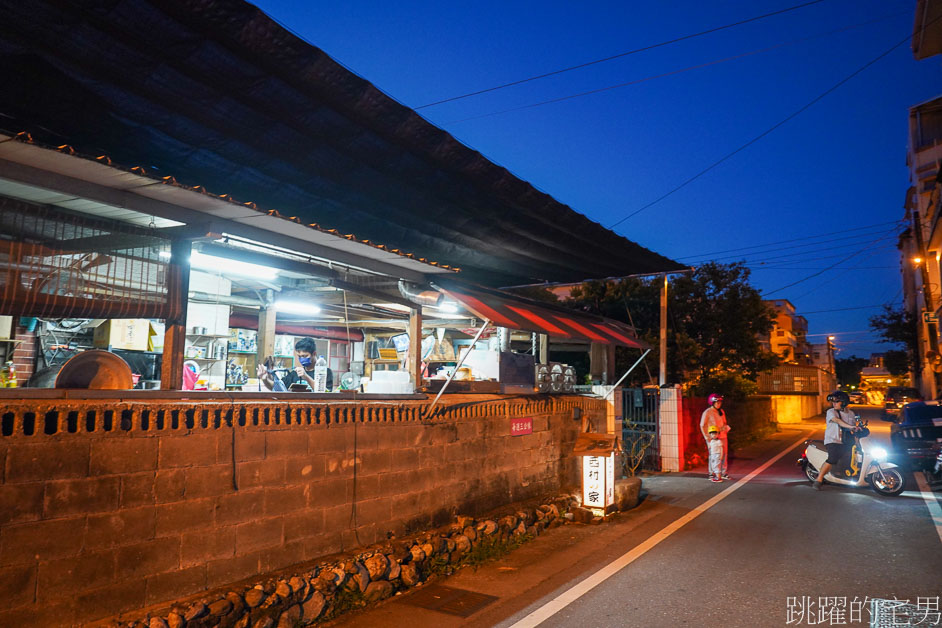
[519,427]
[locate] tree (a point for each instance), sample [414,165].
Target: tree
[898,363]
[897,326]
[848,370]
[715,320]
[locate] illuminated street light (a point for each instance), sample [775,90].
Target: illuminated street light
[917,260]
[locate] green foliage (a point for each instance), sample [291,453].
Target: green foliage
[896,326]
[537,293]
[344,600]
[714,320]
[730,385]
[848,370]
[898,363]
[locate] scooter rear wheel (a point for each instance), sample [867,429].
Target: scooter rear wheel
[810,472]
[893,484]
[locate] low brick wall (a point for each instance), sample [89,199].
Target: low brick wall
[108,506]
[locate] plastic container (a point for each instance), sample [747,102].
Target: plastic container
[320,375]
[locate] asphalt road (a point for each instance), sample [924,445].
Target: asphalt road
[763,555]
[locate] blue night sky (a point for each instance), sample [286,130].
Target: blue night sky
[829,183]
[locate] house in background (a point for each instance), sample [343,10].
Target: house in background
[921,245]
[789,336]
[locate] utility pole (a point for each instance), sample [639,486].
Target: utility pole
[662,354]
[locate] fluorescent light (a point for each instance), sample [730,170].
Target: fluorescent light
[227,266]
[164,255]
[296,307]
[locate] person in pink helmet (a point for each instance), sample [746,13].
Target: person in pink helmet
[714,416]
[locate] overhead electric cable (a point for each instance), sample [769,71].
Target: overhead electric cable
[813,275]
[858,237]
[843,272]
[798,256]
[772,128]
[620,55]
[764,267]
[781,259]
[844,309]
[651,77]
[829,234]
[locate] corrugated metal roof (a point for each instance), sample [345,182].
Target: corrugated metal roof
[136,183]
[215,93]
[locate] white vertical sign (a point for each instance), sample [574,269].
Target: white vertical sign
[598,481]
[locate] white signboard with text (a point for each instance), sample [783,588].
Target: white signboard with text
[598,481]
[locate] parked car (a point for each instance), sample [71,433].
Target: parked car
[897,397]
[857,396]
[918,435]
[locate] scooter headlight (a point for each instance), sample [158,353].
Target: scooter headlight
[878,453]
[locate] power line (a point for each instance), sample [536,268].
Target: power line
[857,238]
[765,267]
[843,272]
[652,77]
[619,55]
[772,128]
[823,270]
[800,255]
[843,309]
[829,234]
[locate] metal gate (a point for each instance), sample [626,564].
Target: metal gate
[640,441]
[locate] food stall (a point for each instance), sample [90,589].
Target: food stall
[247,303]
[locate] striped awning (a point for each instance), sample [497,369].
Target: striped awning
[504,309]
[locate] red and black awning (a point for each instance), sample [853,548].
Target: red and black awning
[504,309]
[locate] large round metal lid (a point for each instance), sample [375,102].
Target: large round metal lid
[95,369]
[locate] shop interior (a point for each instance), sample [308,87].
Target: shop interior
[358,320]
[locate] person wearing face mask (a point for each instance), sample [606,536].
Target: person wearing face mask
[306,351]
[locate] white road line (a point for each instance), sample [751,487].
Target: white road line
[569,596]
[935,511]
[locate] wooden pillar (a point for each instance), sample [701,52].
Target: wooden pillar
[178,288]
[266,334]
[544,349]
[415,346]
[597,366]
[602,363]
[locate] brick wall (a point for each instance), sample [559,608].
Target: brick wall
[111,506]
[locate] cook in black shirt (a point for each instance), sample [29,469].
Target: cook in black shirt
[306,351]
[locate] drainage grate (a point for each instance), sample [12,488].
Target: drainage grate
[437,597]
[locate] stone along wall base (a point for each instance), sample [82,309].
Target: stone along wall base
[324,591]
[107,506]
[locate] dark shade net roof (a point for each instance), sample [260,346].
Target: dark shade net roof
[215,93]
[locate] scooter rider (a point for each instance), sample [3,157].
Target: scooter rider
[837,417]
